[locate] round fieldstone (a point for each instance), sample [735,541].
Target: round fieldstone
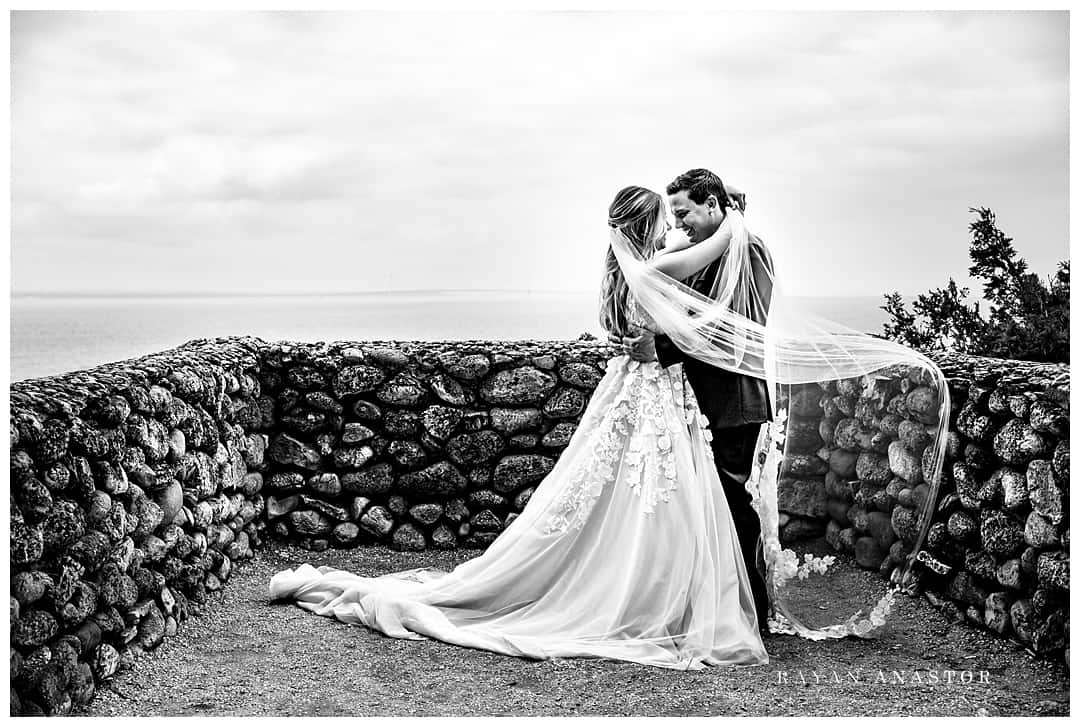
[1001,535]
[1013,488]
[511,421]
[34,499]
[400,423]
[1017,443]
[523,497]
[1043,492]
[441,478]
[904,463]
[582,375]
[307,422]
[357,379]
[389,358]
[924,404]
[377,520]
[366,411]
[469,368]
[106,661]
[63,525]
[326,484]
[286,481]
[443,537]
[565,403]
[967,487]
[480,499]
[323,402]
[57,477]
[397,505]
[1040,532]
[456,511]
[803,465]
[427,513]
[408,455]
[353,457]
[440,421]
[473,448]
[110,411]
[842,462]
[309,522]
[449,390]
[559,436]
[518,470]
[402,390]
[1010,574]
[407,537]
[334,512]
[848,433]
[873,468]
[974,424]
[805,497]
[1053,570]
[374,480]
[905,523]
[345,535]
[288,450]
[913,435]
[29,586]
[34,628]
[962,527]
[879,527]
[170,499]
[485,521]
[1048,418]
[1060,460]
[517,386]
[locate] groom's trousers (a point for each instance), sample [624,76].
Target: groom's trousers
[733,451]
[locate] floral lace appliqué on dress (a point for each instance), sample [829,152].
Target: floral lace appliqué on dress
[633,439]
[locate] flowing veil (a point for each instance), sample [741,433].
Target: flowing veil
[834,390]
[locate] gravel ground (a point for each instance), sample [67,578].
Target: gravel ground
[245,656]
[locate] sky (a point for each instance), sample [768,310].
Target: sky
[355,152]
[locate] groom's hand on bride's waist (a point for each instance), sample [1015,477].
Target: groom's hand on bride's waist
[639,348]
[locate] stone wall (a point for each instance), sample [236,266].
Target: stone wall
[417,445]
[996,551]
[136,486]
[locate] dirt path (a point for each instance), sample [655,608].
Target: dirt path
[246,656]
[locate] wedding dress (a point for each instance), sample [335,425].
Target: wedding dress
[625,551]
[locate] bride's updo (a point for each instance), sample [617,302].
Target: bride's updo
[639,214]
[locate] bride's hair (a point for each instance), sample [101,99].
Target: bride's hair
[639,213]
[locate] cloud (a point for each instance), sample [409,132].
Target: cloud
[345,150]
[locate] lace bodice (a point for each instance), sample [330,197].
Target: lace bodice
[638,317]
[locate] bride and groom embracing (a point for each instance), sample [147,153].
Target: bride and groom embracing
[654,537]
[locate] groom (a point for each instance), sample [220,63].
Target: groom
[735,405]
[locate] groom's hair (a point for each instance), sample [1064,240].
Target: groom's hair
[698,185]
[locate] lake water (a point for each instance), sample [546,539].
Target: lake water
[51,335]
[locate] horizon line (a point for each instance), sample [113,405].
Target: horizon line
[330,294]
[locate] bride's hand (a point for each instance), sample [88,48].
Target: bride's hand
[639,347]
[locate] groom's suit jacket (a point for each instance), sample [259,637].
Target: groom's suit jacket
[726,398]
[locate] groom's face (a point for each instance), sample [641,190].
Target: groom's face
[698,221]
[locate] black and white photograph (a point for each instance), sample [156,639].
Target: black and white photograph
[538,360]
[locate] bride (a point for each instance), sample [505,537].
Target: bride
[625,551]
